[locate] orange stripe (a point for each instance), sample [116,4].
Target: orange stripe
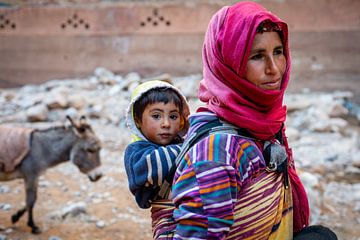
[245,145]
[187,159]
[193,223]
[240,153]
[215,188]
[186,176]
[193,204]
[211,147]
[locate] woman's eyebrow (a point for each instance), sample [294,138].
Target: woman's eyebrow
[257,50]
[260,49]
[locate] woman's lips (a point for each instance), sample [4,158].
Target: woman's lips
[272,85]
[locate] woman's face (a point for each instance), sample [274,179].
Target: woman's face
[266,64]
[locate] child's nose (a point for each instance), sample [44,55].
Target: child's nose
[165,122]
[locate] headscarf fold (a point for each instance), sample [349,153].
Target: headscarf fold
[227,93]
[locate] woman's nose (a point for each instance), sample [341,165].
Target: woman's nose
[271,66]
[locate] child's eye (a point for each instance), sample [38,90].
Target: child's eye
[156,116]
[174,117]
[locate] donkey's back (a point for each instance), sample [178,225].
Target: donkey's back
[15,145]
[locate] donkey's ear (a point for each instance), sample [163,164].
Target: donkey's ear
[71,121]
[78,129]
[82,120]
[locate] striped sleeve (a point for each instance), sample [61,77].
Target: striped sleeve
[159,163]
[155,163]
[147,165]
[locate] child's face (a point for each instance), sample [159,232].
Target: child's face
[160,123]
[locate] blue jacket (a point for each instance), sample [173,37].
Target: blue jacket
[147,166]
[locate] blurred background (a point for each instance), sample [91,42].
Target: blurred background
[84,57]
[48,39]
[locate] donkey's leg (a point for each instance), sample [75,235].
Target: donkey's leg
[31,192]
[17,216]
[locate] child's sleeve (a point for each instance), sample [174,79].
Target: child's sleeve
[147,165]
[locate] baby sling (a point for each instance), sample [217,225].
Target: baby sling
[273,152]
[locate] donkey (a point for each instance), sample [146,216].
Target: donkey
[77,143]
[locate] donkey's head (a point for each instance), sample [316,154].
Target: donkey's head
[85,153]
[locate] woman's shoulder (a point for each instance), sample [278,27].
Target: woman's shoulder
[224,149]
[222,146]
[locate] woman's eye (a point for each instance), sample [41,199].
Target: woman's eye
[278,51]
[256,57]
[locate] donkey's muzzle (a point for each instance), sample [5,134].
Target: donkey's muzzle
[95,175]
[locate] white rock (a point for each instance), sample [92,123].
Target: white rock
[104,75]
[188,85]
[293,134]
[56,100]
[5,206]
[330,125]
[72,112]
[115,90]
[37,113]
[77,101]
[133,77]
[309,180]
[296,102]
[74,209]
[100,224]
[54,238]
[338,110]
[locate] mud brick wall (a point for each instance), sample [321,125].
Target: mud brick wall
[54,41]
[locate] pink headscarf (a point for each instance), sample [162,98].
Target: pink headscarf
[226,50]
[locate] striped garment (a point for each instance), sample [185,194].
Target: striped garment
[163,224]
[147,166]
[222,191]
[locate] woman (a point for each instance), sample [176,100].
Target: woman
[225,188]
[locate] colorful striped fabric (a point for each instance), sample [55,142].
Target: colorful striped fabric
[222,191]
[163,224]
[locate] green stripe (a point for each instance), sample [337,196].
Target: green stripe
[229,222]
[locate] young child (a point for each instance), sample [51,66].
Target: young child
[157,118]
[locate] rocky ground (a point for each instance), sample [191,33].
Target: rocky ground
[323,130]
